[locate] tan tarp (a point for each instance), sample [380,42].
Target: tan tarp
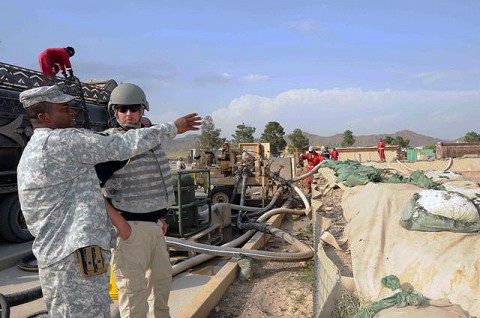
[439,309]
[436,264]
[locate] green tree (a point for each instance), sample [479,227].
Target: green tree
[472,137]
[243,133]
[209,137]
[273,133]
[298,140]
[348,139]
[389,140]
[403,143]
[397,140]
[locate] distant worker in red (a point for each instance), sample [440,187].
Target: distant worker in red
[334,154]
[53,60]
[381,150]
[313,158]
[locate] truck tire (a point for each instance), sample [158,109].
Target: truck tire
[221,195]
[12,226]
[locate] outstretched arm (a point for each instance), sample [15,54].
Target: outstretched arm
[188,122]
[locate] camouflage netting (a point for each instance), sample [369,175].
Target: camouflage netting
[352,173]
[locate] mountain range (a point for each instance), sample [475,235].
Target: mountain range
[182,145]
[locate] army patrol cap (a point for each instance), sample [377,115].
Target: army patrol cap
[50,94]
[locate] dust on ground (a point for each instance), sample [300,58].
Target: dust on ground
[277,289]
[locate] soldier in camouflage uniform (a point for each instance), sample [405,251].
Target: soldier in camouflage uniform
[62,203]
[141,192]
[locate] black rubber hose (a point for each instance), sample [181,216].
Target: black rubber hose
[268,207]
[41,314]
[23,297]
[5,308]
[240,215]
[235,186]
[261,227]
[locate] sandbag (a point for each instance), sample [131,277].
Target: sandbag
[449,204]
[420,179]
[435,211]
[443,176]
[354,179]
[468,188]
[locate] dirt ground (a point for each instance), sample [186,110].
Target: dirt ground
[276,289]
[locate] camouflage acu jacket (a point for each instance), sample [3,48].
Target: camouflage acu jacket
[59,190]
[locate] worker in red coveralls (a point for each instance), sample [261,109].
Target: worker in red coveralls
[53,60]
[313,158]
[381,150]
[334,154]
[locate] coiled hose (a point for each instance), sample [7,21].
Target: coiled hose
[209,252]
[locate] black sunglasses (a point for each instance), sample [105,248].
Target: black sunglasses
[124,108]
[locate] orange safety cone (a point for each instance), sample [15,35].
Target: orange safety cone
[112,287]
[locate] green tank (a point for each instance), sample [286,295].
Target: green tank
[183,215]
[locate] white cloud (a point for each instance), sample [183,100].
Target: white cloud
[214,79]
[303,25]
[437,76]
[442,114]
[431,77]
[256,77]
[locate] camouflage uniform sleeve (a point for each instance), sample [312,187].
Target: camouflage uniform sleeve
[84,146]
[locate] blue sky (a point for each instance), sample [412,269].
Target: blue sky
[373,67]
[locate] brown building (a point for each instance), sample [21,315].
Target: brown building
[364,154]
[455,150]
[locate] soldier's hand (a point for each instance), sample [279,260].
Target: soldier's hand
[188,122]
[164,226]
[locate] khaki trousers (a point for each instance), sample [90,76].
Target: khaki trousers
[141,266]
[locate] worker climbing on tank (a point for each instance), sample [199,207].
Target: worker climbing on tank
[53,60]
[313,158]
